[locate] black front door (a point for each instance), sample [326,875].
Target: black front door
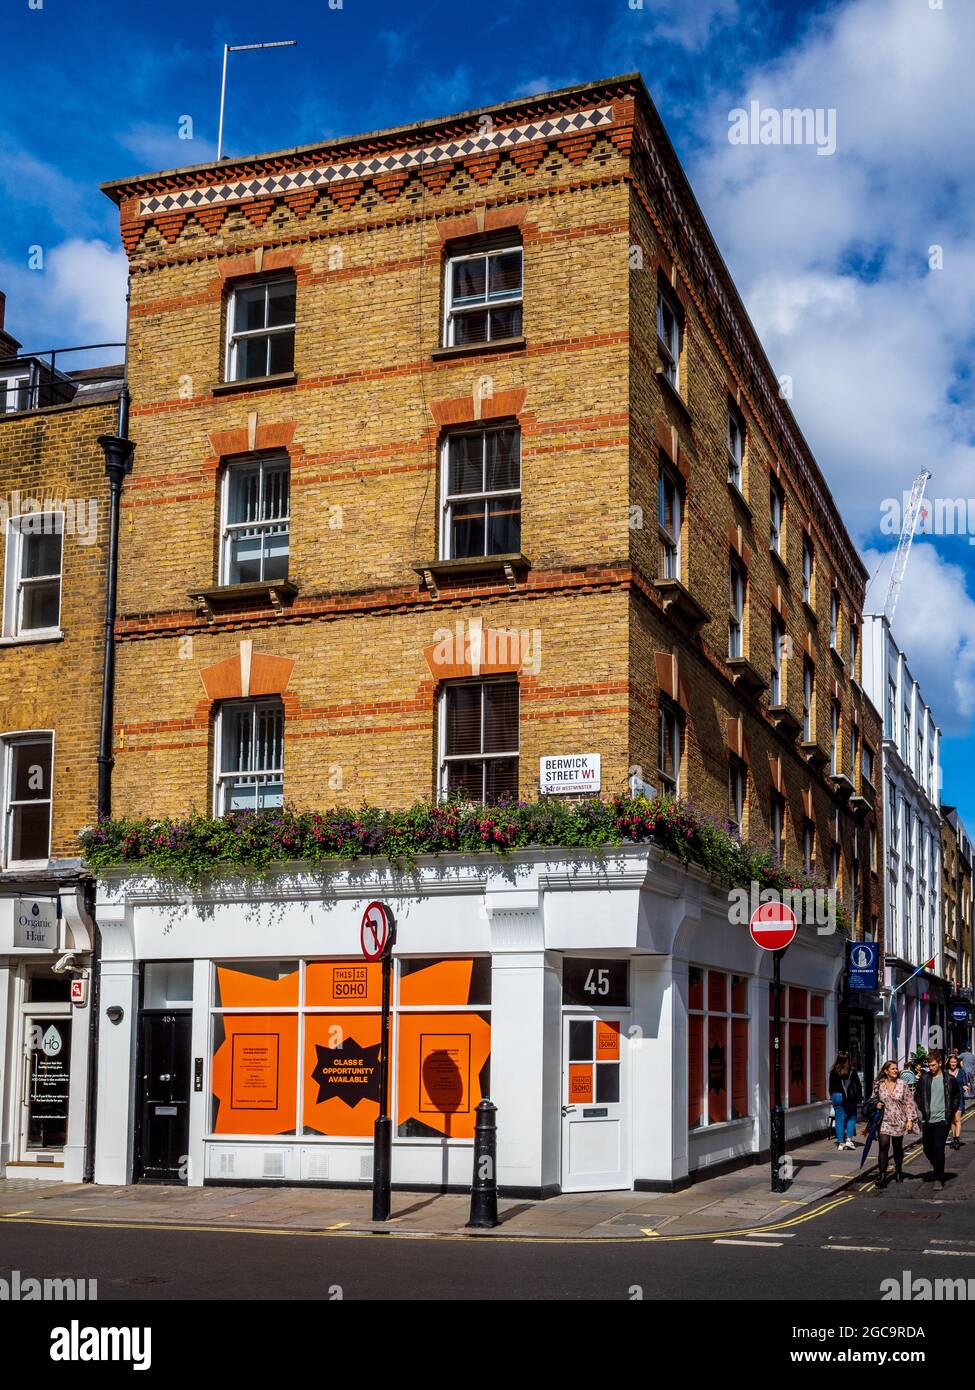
[165,1129]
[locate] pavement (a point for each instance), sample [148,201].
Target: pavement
[731,1203]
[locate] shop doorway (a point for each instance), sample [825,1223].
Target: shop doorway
[595,1110]
[164,1129]
[47,1082]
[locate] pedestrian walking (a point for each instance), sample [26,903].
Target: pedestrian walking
[956,1070]
[846,1093]
[937,1097]
[967,1059]
[899,1117]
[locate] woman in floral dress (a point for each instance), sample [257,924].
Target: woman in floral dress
[899,1118]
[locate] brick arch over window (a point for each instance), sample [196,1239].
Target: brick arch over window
[252,438]
[480,405]
[247,676]
[470,651]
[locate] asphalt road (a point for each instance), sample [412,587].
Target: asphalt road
[842,1254]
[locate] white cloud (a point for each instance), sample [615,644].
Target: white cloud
[160,147]
[77,298]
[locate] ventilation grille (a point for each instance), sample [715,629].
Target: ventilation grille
[225,1163]
[273,1163]
[316,1165]
[365,1167]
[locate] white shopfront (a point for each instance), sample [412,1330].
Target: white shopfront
[45,945]
[609,1009]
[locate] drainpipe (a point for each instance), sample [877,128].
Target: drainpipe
[118,451]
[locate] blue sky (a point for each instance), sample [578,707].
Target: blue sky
[858,268]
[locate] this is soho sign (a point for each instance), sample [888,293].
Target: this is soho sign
[35,924]
[569,774]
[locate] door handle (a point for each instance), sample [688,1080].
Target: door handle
[165,1076]
[567,1110]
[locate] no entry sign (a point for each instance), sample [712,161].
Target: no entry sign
[375,931]
[773,925]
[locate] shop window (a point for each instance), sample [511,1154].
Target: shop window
[290,1041]
[483,296]
[479,739]
[261,329]
[32,589]
[804,1037]
[444,1046]
[256,521]
[717,1058]
[481,480]
[250,746]
[26,773]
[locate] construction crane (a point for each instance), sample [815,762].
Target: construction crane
[911,517]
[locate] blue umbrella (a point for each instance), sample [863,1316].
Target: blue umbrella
[873,1125]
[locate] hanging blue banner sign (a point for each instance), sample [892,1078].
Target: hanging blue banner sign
[862,960]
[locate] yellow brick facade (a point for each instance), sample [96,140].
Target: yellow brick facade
[362,422]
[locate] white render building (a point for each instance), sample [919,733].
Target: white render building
[911,769]
[609,1008]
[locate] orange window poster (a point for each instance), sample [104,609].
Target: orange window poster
[580,1083]
[337,984]
[257,985]
[254,1074]
[607,1041]
[443,1062]
[341,1074]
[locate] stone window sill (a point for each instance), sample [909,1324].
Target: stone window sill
[476,349]
[254,383]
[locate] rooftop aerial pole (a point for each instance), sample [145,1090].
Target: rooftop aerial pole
[229,48]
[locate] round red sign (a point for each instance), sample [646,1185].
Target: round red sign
[374,934]
[773,926]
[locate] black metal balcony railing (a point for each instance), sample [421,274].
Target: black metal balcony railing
[34,380]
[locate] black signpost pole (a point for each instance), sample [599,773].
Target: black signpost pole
[777,1114]
[382,1152]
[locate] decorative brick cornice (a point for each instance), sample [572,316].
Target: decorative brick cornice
[253,438]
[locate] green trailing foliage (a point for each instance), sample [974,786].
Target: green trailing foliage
[196,848]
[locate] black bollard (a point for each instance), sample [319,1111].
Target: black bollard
[484,1186]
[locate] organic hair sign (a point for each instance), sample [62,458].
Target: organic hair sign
[35,923]
[568,774]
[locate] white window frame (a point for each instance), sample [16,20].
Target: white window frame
[8,742]
[778,656]
[808,700]
[445,758]
[670,740]
[776,515]
[669,337]
[221,778]
[11,387]
[737,784]
[736,447]
[737,581]
[13,629]
[448,499]
[453,313]
[230,360]
[670,541]
[808,564]
[228,529]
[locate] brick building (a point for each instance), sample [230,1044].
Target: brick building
[53,514]
[956,923]
[457,451]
